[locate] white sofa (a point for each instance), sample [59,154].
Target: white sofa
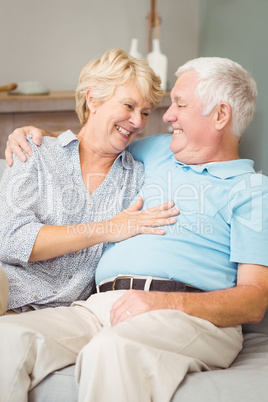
[244,381]
[2,166]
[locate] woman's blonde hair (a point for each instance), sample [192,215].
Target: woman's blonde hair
[116,67]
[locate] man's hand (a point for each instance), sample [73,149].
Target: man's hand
[18,144]
[245,303]
[135,302]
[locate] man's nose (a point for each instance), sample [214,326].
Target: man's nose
[170,115]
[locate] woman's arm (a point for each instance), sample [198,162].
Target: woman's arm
[25,237]
[53,241]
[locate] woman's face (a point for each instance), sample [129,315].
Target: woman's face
[117,120]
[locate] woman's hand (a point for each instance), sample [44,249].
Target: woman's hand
[18,144]
[53,241]
[132,221]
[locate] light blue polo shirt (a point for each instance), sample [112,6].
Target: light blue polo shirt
[223,220]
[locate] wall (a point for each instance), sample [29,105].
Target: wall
[50,41]
[238,29]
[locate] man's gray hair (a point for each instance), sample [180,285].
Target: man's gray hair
[223,80]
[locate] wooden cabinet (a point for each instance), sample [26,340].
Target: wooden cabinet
[55,113]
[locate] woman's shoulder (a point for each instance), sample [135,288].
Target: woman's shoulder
[53,145]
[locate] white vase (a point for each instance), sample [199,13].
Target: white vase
[133,51]
[158,62]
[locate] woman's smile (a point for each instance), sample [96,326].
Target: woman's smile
[123,131]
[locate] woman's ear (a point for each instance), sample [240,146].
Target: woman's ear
[90,102]
[223,115]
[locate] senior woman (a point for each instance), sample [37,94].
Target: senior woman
[58,210]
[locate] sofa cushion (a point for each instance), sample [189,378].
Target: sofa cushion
[260,328]
[245,380]
[2,167]
[57,387]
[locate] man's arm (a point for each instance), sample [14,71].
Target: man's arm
[245,303]
[18,144]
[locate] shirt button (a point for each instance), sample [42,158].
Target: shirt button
[77,252]
[185,168]
[70,276]
[55,292]
[36,297]
[89,203]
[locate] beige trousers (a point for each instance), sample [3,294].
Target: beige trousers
[4,288]
[142,359]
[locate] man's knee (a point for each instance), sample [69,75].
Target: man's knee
[101,342]
[4,289]
[98,352]
[15,342]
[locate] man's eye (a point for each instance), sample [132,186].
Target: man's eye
[146,114]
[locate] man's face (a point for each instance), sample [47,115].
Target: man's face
[192,132]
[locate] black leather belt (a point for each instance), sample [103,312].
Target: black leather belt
[127,282]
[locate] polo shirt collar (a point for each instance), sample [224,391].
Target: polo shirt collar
[222,170]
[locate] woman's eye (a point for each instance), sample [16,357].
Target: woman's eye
[145,114]
[129,106]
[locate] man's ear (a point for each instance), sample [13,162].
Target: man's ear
[90,102]
[223,115]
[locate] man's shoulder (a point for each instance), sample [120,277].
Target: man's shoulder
[155,141]
[258,179]
[151,146]
[261,180]
[247,189]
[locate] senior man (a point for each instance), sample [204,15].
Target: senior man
[166,306]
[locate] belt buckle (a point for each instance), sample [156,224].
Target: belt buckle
[123,277]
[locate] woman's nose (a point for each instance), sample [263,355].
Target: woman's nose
[137,120]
